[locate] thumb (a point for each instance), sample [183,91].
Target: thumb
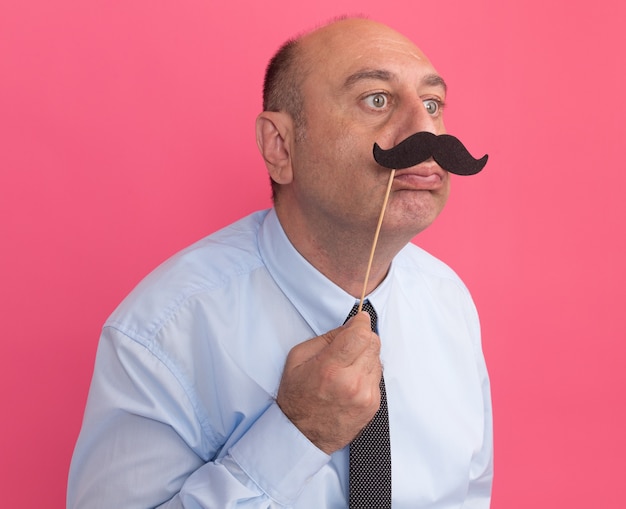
[311,347]
[314,346]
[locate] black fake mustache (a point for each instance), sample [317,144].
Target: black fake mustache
[445,149]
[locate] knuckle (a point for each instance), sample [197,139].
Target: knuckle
[364,394]
[352,389]
[362,336]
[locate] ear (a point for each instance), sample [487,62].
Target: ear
[273,137]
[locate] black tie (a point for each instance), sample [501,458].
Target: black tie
[370,452]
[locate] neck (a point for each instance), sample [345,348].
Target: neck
[341,251]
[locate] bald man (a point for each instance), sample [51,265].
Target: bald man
[228,378]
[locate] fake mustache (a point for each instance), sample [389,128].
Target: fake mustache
[445,149]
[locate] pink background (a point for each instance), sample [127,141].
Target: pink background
[127,133]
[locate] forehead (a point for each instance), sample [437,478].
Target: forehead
[345,48]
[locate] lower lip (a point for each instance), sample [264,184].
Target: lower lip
[413,181]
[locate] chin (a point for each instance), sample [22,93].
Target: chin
[415,215]
[407,228]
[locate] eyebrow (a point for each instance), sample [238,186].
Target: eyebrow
[432,80]
[368,74]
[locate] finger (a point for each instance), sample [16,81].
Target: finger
[315,346]
[306,350]
[351,341]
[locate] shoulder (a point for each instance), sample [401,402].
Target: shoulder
[428,283]
[205,267]
[424,277]
[415,261]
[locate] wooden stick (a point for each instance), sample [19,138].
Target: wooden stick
[380,222]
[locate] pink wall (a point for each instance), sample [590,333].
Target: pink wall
[126,132]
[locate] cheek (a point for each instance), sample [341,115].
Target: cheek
[441,128]
[342,156]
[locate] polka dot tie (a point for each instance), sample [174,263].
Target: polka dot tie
[370,452]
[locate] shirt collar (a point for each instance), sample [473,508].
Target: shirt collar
[322,304]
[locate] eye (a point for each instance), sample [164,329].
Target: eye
[432,106]
[377,101]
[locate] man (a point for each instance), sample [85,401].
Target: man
[226,378]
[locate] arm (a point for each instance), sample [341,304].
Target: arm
[146,442]
[481,469]
[144,445]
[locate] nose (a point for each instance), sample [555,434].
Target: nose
[413,117]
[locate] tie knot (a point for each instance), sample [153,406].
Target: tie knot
[367,306]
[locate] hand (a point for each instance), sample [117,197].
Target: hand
[330,384]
